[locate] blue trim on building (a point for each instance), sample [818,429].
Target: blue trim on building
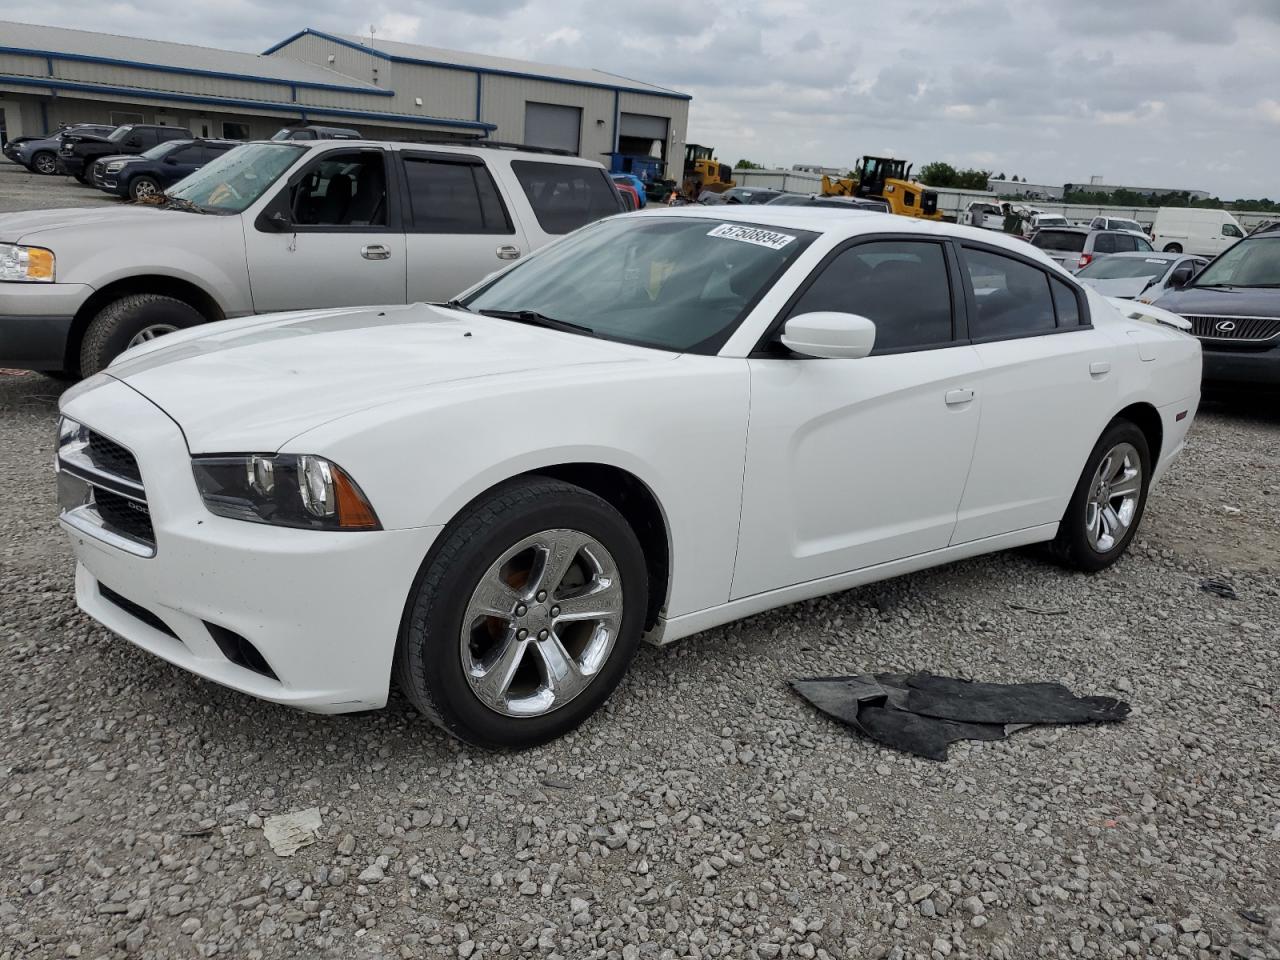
[490,71]
[51,55]
[55,85]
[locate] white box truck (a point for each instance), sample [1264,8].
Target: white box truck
[1193,230]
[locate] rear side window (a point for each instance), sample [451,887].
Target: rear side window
[454,198]
[1066,302]
[1012,298]
[1067,240]
[565,196]
[1105,243]
[901,286]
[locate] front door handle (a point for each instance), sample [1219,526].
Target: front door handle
[961,395]
[1099,368]
[375,251]
[508,251]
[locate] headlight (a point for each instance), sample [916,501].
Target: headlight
[70,432]
[27,264]
[287,490]
[114,166]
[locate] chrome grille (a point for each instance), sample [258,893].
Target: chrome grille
[101,493]
[1239,329]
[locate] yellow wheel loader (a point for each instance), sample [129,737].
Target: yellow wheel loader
[883,178]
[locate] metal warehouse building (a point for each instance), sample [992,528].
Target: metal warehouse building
[50,76]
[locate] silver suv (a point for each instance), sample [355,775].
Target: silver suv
[1077,247]
[273,226]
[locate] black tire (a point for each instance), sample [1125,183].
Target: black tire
[119,322]
[1071,547]
[83,174]
[44,163]
[1173,248]
[140,183]
[428,661]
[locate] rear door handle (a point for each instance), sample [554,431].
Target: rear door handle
[508,251]
[375,251]
[956,397]
[1099,368]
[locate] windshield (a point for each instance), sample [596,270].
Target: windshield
[1250,263]
[1049,221]
[1126,225]
[231,182]
[119,133]
[160,149]
[675,283]
[1124,268]
[1059,240]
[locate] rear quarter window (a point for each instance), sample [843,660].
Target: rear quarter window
[566,196]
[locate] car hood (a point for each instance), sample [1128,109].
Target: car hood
[1223,301]
[1127,287]
[254,383]
[23,226]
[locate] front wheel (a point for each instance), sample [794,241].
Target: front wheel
[143,187]
[1107,505]
[1173,248]
[44,163]
[525,616]
[129,322]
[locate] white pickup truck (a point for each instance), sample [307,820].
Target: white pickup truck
[274,226]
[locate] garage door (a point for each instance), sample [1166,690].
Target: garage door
[551,125]
[643,126]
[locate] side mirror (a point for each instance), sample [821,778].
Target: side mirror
[830,335]
[133,142]
[171,161]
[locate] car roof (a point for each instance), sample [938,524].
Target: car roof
[830,221]
[1150,254]
[460,148]
[1075,229]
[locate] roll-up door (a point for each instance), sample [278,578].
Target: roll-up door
[552,125]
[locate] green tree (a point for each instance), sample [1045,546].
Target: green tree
[972,179]
[938,174]
[1002,177]
[748,165]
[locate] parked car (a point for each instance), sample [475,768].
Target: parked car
[157,169]
[749,195]
[1234,309]
[1124,224]
[782,404]
[1194,230]
[1076,247]
[636,184]
[310,131]
[710,198]
[1042,221]
[630,199]
[282,226]
[79,150]
[1146,276]
[834,203]
[982,213]
[10,147]
[40,154]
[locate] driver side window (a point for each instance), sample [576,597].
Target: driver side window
[1231,230]
[342,190]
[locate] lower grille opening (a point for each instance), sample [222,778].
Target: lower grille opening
[240,651]
[127,516]
[134,610]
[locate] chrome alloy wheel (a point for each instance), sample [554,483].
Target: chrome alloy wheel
[541,623]
[1113,497]
[144,188]
[147,334]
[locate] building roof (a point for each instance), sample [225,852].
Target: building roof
[484,63]
[163,56]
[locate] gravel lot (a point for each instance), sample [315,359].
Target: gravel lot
[707,811]
[23,190]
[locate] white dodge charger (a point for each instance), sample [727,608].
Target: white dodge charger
[663,422]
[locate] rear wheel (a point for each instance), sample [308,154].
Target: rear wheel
[525,616]
[45,163]
[131,321]
[1173,248]
[1110,497]
[142,187]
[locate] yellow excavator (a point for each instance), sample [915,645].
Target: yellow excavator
[703,172]
[887,179]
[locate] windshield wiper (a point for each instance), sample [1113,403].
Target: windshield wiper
[536,319]
[453,305]
[180,203]
[1215,286]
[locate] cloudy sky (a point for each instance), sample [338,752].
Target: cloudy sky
[1176,93]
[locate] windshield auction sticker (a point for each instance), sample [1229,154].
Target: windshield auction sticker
[761,238]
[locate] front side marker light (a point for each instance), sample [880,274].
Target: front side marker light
[26,264]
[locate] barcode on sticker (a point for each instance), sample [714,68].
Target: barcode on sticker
[761,238]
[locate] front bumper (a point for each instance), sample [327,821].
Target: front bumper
[35,322]
[1242,371]
[322,609]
